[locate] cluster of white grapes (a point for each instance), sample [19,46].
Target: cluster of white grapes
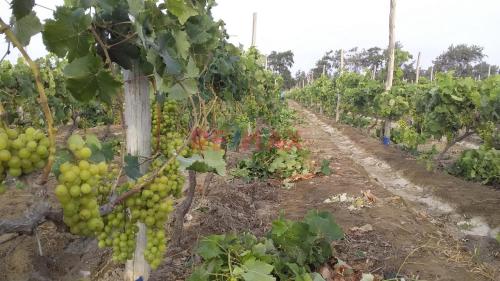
[171,137]
[80,186]
[21,153]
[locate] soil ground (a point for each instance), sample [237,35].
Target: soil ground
[407,239]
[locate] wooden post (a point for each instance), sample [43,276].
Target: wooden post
[254,30]
[432,73]
[324,69]
[337,109]
[489,71]
[418,69]
[138,128]
[390,64]
[374,72]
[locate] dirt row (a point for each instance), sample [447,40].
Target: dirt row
[388,235]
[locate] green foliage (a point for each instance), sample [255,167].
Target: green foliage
[26,27]
[292,250]
[482,165]
[87,80]
[274,162]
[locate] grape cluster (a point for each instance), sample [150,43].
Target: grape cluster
[119,233]
[152,207]
[171,136]
[79,186]
[22,153]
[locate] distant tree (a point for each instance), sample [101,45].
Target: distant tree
[327,63]
[402,64]
[299,77]
[373,59]
[281,63]
[460,58]
[480,70]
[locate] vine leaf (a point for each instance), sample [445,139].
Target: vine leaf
[324,224]
[325,167]
[182,43]
[183,89]
[92,139]
[21,8]
[135,7]
[210,161]
[62,156]
[132,167]
[256,270]
[192,70]
[209,247]
[215,159]
[86,79]
[181,10]
[26,27]
[68,33]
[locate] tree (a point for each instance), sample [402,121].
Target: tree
[326,64]
[460,59]
[483,69]
[373,58]
[401,58]
[281,62]
[300,77]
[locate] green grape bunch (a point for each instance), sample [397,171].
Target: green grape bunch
[171,135]
[152,206]
[80,185]
[22,153]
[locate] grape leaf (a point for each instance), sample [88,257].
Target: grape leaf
[92,139]
[86,79]
[132,167]
[256,270]
[183,89]
[21,8]
[26,27]
[68,33]
[182,10]
[209,247]
[135,7]
[215,159]
[192,70]
[182,43]
[325,167]
[324,224]
[212,160]
[62,156]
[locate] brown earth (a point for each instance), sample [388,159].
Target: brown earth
[406,239]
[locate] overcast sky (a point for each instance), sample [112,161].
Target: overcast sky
[310,28]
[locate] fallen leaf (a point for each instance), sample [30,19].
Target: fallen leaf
[363,229]
[326,272]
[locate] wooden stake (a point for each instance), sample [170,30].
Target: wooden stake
[138,138]
[254,30]
[337,109]
[489,70]
[432,73]
[390,65]
[418,69]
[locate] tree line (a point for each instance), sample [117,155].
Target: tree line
[463,59]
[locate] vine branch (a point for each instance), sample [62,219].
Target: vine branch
[42,100]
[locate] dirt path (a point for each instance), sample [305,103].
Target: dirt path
[413,231]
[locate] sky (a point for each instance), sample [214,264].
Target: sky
[310,28]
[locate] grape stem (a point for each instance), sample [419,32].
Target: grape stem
[42,100]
